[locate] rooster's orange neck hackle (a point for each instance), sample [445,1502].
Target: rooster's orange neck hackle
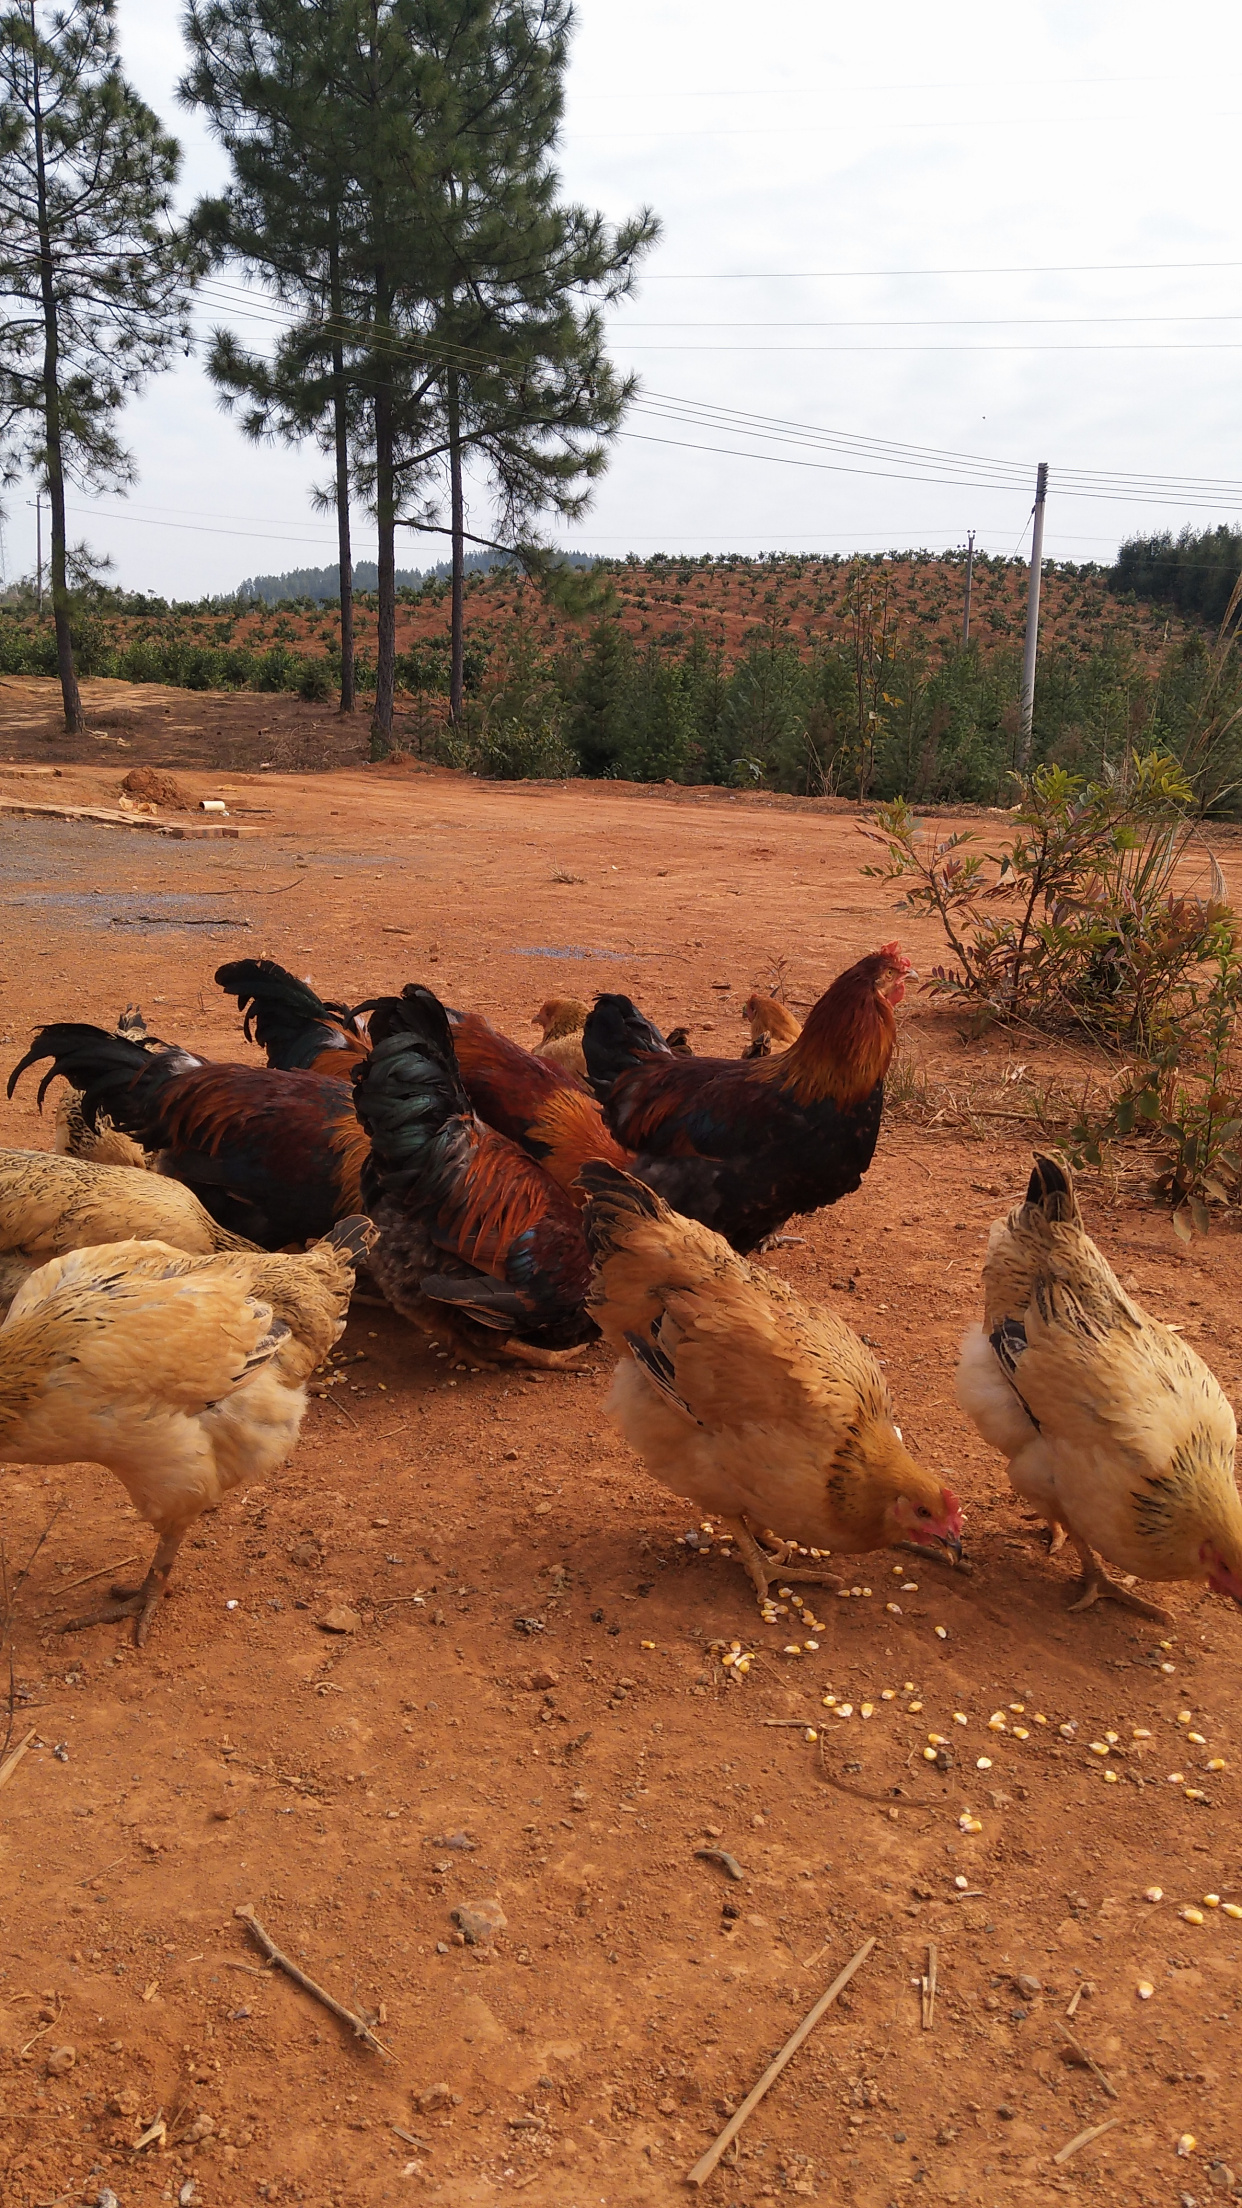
[850,1034]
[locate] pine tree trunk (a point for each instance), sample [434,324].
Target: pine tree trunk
[457,676]
[385,521]
[341,436]
[70,697]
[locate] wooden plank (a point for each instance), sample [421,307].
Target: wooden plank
[20,808]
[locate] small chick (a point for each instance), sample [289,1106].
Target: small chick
[1114,1429]
[561,1020]
[772,1026]
[763,1408]
[184,1375]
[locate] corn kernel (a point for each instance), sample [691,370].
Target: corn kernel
[894,1609]
[646,1644]
[1020,1732]
[1211,1901]
[1018,1708]
[913,1708]
[1177,1778]
[1183,1717]
[1231,1909]
[1144,1989]
[866,1590]
[897,1570]
[1187,2143]
[866,1709]
[1112,1739]
[1040,1719]
[1168,1669]
[888,1694]
[845,1709]
[967,1823]
[1111,1779]
[909,1586]
[984,1763]
[1099,1748]
[1216,1763]
[1166,1644]
[1198,1739]
[1154,1893]
[929,1755]
[811,1733]
[812,1646]
[791,1648]
[1140,1732]
[1194,1794]
[942,1632]
[998,1722]
[960,1717]
[743,1665]
[1192,1916]
[856,1590]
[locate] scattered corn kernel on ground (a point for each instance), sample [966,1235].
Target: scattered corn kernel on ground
[557,1687]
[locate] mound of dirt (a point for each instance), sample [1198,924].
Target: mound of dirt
[157,788]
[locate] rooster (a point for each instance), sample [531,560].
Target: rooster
[533,1100]
[474,1234]
[103,1144]
[762,1408]
[274,1156]
[560,1021]
[299,1032]
[742,1144]
[1114,1430]
[184,1375]
[50,1204]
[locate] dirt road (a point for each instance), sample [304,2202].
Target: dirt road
[530,1710]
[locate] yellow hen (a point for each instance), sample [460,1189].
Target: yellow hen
[50,1204]
[761,1407]
[184,1375]
[1113,1428]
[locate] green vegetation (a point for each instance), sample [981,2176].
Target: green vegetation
[1196,572]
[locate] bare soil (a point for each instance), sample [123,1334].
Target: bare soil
[529,1709]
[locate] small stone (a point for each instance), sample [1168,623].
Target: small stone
[479,1922]
[1005,2114]
[542,1680]
[1222,2177]
[1027,1984]
[306,1553]
[433,2097]
[124,2103]
[60,2061]
[339,1618]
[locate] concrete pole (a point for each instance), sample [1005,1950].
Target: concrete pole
[970,569]
[1032,618]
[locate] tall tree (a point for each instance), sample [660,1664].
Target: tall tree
[95,275]
[515,336]
[275,78]
[488,344]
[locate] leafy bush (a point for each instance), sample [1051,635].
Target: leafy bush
[1096,934]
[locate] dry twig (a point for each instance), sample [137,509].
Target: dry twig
[308,1985]
[707,2162]
[1078,2052]
[929,1987]
[9,1766]
[1084,2139]
[102,1573]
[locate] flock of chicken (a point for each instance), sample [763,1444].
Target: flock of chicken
[176,1269]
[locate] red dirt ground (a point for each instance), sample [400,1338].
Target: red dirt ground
[249,1757]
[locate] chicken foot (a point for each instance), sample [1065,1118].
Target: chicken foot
[766,1565]
[1096,1586]
[139,1603]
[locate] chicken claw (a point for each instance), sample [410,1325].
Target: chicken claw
[139,1603]
[1096,1586]
[765,1565]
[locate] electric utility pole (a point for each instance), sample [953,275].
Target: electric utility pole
[970,569]
[1032,618]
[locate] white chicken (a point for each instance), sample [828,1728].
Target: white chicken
[1114,1429]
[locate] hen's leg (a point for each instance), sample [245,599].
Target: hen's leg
[139,1603]
[1096,1586]
[765,1567]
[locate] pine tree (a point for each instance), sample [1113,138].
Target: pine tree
[94,273]
[274,77]
[512,333]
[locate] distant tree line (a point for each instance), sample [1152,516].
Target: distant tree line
[1196,572]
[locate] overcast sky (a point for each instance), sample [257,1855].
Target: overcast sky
[1003,233]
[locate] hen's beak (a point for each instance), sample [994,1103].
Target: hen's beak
[953,1543]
